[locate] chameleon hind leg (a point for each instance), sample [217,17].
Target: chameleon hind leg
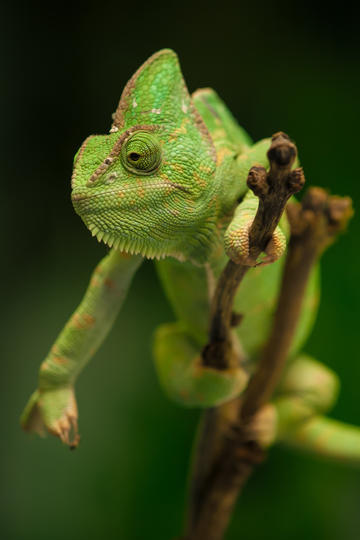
[326,438]
[310,389]
[184,379]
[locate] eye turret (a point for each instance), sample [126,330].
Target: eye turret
[141,153]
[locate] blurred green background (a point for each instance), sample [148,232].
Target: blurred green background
[278,66]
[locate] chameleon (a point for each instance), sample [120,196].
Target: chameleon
[168,182]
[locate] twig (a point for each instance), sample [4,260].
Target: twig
[274,190]
[314,224]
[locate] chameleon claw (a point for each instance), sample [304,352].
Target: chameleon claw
[54,411]
[274,249]
[263,427]
[66,427]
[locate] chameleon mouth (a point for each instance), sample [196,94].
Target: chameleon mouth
[81,196]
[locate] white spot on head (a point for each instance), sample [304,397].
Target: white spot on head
[184,107]
[114,129]
[134,103]
[111,178]
[156,111]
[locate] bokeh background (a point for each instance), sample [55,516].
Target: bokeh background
[278,66]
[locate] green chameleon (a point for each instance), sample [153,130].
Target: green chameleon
[169,183]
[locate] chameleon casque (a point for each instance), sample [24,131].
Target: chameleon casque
[169,183]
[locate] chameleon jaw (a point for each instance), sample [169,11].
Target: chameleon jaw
[133,246]
[116,224]
[130,224]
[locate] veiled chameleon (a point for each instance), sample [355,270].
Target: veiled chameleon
[168,182]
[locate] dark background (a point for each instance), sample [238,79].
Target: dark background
[278,66]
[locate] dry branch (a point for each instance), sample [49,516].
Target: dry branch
[225,456]
[274,190]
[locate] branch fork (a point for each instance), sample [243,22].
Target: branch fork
[226,454]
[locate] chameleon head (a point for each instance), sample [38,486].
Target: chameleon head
[148,186]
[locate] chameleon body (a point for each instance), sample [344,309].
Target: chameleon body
[169,183]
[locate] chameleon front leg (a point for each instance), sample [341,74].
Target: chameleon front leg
[236,237]
[53,405]
[310,389]
[184,379]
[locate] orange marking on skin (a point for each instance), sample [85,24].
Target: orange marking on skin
[172,137]
[141,192]
[95,282]
[44,366]
[120,194]
[125,255]
[98,269]
[90,320]
[177,167]
[222,153]
[82,321]
[205,169]
[199,180]
[60,360]
[179,131]
[55,349]
[190,207]
[76,320]
[109,283]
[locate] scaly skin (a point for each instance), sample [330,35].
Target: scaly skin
[166,183]
[53,405]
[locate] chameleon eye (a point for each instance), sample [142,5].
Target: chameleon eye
[141,153]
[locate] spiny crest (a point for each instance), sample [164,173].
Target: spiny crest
[157,94]
[153,93]
[156,97]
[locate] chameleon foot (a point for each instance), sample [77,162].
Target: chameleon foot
[237,246]
[263,427]
[183,376]
[53,410]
